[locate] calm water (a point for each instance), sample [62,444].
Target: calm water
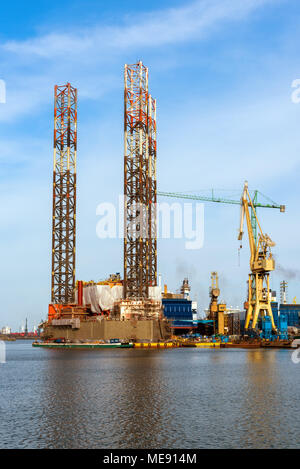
[180,398]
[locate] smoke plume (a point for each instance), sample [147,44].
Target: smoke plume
[289,274]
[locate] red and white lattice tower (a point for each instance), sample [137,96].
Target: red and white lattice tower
[64,195]
[140,239]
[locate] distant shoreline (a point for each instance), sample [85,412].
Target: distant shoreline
[9,338]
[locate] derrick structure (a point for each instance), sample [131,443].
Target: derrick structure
[140,240]
[152,225]
[64,194]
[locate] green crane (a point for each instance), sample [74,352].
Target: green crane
[267,203]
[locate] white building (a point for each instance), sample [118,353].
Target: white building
[6,330]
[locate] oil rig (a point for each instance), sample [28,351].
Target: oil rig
[130,308]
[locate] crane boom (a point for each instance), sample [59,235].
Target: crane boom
[221,200]
[245,202]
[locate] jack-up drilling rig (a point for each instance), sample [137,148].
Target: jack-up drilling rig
[261,264]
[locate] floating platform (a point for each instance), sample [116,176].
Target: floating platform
[247,345]
[156,345]
[200,344]
[177,344]
[54,345]
[208,345]
[284,344]
[278,344]
[164,345]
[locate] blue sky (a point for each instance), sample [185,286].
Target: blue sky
[221,72]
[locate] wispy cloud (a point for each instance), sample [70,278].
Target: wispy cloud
[149,30]
[31,66]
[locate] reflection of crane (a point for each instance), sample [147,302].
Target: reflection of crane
[261,264]
[268,203]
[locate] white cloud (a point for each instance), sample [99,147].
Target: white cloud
[32,66]
[149,30]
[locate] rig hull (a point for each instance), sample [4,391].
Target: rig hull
[141,330]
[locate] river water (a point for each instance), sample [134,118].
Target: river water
[178,398]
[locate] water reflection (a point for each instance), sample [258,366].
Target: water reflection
[260,408]
[149,399]
[120,399]
[143,395]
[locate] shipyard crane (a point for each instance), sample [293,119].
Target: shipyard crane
[261,264]
[267,203]
[216,310]
[255,244]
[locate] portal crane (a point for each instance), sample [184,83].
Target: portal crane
[261,264]
[214,293]
[216,310]
[252,223]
